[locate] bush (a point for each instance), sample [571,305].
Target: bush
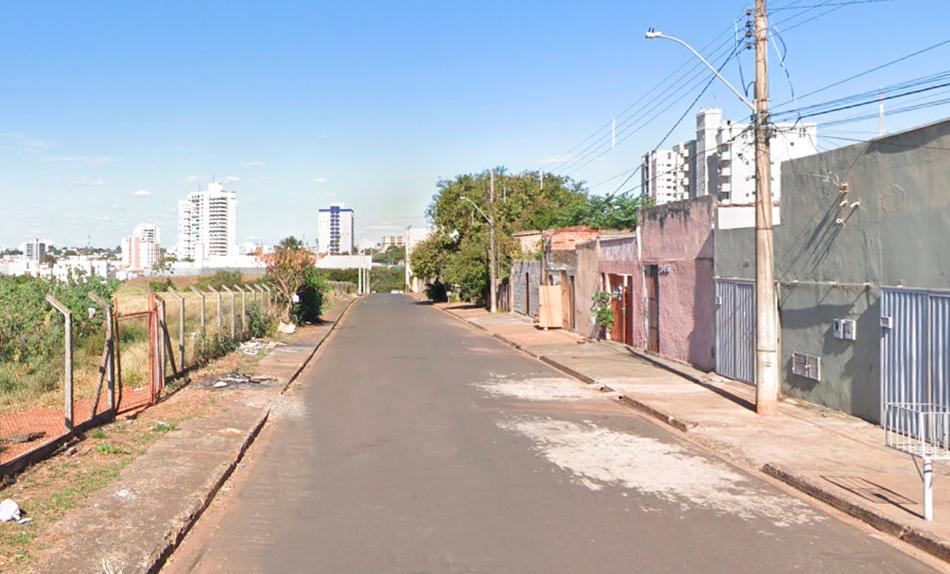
[219,279]
[259,323]
[386,279]
[311,297]
[436,292]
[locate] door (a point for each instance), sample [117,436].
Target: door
[616,304]
[527,294]
[735,329]
[628,311]
[573,294]
[652,275]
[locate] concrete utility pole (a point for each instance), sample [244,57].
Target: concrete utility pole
[766,332]
[766,320]
[493,283]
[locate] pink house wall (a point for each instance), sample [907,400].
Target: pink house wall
[678,238]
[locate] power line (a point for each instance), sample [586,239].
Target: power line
[605,143]
[630,129]
[604,130]
[869,71]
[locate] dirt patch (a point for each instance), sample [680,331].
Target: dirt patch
[537,388]
[598,457]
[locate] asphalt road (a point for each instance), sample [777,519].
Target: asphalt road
[416,445]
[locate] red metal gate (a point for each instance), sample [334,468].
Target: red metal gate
[139,375]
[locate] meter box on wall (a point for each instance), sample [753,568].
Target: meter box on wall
[845,329]
[808,366]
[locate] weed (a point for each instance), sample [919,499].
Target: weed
[108,448]
[98,434]
[163,427]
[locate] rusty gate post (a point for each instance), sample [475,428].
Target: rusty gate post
[110,350]
[161,331]
[68,341]
[181,327]
[231,293]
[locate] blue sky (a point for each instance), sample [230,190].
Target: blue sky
[112,111]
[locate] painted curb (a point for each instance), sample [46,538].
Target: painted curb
[916,537]
[155,560]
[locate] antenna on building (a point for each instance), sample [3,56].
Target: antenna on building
[880,112]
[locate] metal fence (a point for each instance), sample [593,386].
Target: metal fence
[146,342]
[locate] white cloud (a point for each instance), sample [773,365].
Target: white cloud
[194,178]
[321,179]
[142,193]
[232,178]
[86,181]
[255,163]
[86,160]
[24,141]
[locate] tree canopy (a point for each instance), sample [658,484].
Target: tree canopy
[457,253]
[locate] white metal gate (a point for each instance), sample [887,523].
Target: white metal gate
[915,347]
[735,329]
[915,377]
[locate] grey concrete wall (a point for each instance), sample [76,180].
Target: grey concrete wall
[734,253]
[587,281]
[894,236]
[525,279]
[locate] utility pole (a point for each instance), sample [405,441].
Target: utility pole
[491,245]
[766,332]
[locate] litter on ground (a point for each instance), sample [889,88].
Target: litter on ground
[236,378]
[9,511]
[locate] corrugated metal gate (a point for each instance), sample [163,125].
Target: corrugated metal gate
[915,350]
[735,329]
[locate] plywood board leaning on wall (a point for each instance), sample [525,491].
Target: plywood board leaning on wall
[550,314]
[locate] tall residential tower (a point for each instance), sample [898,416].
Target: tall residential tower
[335,230]
[207,224]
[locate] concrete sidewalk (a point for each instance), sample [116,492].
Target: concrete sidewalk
[137,521]
[836,458]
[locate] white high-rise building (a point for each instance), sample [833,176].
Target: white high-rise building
[335,230]
[207,224]
[721,161]
[142,251]
[35,250]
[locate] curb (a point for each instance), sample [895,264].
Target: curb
[174,537]
[156,559]
[678,424]
[920,539]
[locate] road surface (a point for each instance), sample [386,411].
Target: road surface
[416,445]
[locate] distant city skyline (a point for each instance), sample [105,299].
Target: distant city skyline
[296,106]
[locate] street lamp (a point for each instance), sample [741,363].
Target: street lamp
[653,34]
[493,305]
[766,329]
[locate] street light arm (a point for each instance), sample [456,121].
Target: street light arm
[653,34]
[479,209]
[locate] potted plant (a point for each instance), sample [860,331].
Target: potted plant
[603,313]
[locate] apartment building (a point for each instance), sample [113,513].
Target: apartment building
[207,224]
[335,230]
[141,251]
[721,161]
